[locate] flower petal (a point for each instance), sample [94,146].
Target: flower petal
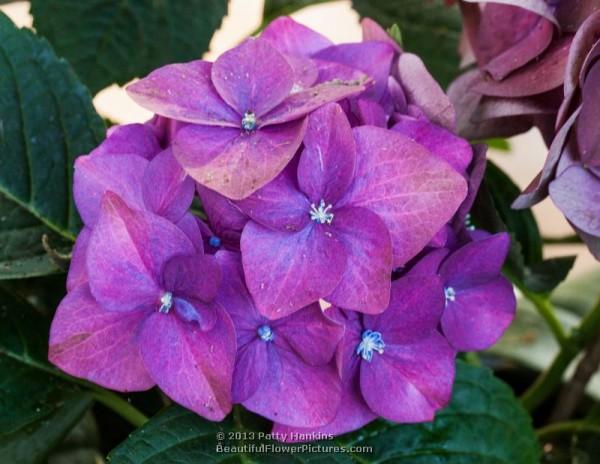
[252,77]
[327,162]
[411,190]
[309,334]
[184,92]
[304,101]
[90,342]
[293,38]
[279,205]
[250,371]
[226,219]
[415,309]
[576,192]
[479,315]
[409,383]
[167,190]
[94,175]
[476,262]
[193,276]
[129,139]
[77,270]
[126,253]
[439,141]
[365,284]
[236,163]
[294,393]
[588,126]
[194,368]
[285,272]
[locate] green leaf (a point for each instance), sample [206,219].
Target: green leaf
[429,28]
[110,41]
[483,424]
[275,8]
[46,120]
[543,277]
[37,407]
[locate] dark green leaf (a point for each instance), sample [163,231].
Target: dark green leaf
[37,408]
[483,424]
[46,120]
[110,41]
[543,277]
[429,28]
[276,8]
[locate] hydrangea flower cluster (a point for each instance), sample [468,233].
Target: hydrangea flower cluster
[290,232]
[537,66]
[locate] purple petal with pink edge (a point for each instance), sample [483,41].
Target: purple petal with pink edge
[371,113]
[537,190]
[372,58]
[89,342]
[476,262]
[411,190]
[409,383]
[190,226]
[576,192]
[166,189]
[352,414]
[415,309]
[129,139]
[478,316]
[438,140]
[365,284]
[165,129]
[327,162]
[193,276]
[126,253]
[316,391]
[192,367]
[588,124]
[184,92]
[279,205]
[307,332]
[77,270]
[285,272]
[371,31]
[94,175]
[304,101]
[293,38]
[250,371]
[331,71]
[305,70]
[236,163]
[223,215]
[245,81]
[422,90]
[541,75]
[509,37]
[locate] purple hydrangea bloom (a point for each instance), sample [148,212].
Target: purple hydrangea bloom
[284,369]
[247,119]
[395,365]
[571,174]
[357,203]
[147,314]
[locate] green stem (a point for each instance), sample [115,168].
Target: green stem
[571,427]
[119,405]
[567,239]
[546,310]
[551,379]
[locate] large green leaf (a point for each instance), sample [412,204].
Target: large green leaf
[37,407]
[429,28]
[483,424]
[110,41]
[275,8]
[46,120]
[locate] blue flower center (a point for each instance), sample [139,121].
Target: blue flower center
[321,213]
[371,341]
[450,294]
[166,303]
[214,241]
[265,333]
[249,121]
